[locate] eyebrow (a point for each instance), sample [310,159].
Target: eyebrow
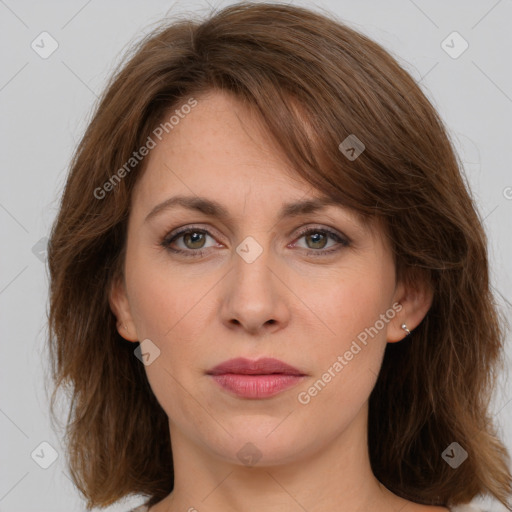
[214,209]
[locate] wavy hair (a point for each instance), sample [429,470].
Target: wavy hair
[314,81]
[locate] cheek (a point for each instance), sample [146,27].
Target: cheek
[170,307]
[163,296]
[355,301]
[356,311]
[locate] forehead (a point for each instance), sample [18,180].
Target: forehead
[220,147]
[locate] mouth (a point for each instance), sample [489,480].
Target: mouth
[258,379]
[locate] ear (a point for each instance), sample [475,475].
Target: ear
[120,306]
[415,296]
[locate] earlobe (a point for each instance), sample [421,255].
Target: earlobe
[120,307]
[406,329]
[415,299]
[398,330]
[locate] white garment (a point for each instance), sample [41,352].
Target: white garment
[466,508]
[457,508]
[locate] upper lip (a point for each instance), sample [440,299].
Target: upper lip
[263,366]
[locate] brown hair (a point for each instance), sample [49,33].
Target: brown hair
[314,82]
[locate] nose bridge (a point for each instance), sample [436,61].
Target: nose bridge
[254,297]
[253,262]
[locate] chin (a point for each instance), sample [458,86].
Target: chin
[257,442]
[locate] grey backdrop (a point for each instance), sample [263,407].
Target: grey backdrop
[45,102]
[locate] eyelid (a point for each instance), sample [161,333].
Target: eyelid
[336,233]
[178,232]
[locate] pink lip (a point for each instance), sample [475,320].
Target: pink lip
[255,379]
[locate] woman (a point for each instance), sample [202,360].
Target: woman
[269,283]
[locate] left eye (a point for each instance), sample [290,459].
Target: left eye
[319,238]
[194,241]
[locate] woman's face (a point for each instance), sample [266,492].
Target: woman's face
[249,284]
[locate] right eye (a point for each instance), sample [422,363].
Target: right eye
[193,240]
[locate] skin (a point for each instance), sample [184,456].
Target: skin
[301,309]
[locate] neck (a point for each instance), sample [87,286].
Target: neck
[336,477]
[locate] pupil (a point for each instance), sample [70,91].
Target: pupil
[316,238]
[196,237]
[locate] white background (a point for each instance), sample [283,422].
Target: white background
[45,105]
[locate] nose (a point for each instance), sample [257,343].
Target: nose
[255,296]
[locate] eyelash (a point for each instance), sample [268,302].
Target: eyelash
[191,253]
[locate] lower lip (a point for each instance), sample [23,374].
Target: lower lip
[256,386]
